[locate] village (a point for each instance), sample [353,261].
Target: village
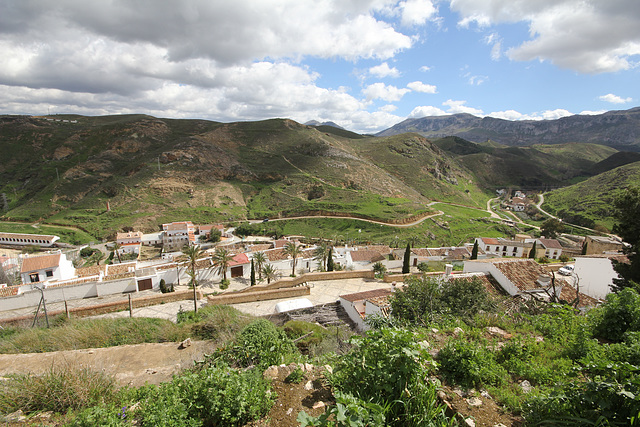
[263,276]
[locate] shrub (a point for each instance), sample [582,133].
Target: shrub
[58,390]
[295,377]
[417,301]
[379,269]
[470,364]
[87,252]
[619,315]
[218,395]
[423,267]
[348,411]
[389,368]
[164,288]
[224,283]
[465,297]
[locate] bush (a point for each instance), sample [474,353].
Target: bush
[379,269]
[389,368]
[619,315]
[470,364]
[348,411]
[164,288]
[465,297]
[214,396]
[224,284]
[295,377]
[423,267]
[87,252]
[58,390]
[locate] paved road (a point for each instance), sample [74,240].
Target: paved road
[410,224]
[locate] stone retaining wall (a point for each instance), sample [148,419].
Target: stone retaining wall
[289,282]
[263,295]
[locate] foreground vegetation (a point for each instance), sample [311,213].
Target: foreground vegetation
[579,369]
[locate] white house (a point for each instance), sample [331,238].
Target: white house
[503,247]
[595,275]
[129,242]
[178,234]
[362,259]
[46,267]
[362,304]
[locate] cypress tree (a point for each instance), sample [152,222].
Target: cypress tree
[474,252]
[584,248]
[253,274]
[532,252]
[406,267]
[330,259]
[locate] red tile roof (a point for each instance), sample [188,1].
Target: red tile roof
[9,291]
[276,254]
[366,256]
[41,262]
[523,273]
[239,260]
[360,296]
[550,243]
[490,241]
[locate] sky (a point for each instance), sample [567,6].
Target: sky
[363,64]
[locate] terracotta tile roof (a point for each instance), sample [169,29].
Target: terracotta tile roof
[239,260]
[204,263]
[381,301]
[120,268]
[261,247]
[9,291]
[381,249]
[489,241]
[119,276]
[550,243]
[175,226]
[94,270]
[41,262]
[276,255]
[421,252]
[308,253]
[366,256]
[168,266]
[523,273]
[568,294]
[360,296]
[130,235]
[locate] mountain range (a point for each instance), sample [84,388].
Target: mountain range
[616,129]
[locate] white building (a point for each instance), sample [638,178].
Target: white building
[178,234]
[18,239]
[46,267]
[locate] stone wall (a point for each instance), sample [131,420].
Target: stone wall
[261,295]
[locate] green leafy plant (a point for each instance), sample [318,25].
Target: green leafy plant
[470,364]
[295,377]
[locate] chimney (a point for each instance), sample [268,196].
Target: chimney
[448,269]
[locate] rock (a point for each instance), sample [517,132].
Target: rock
[474,401]
[184,344]
[526,386]
[151,371]
[43,416]
[90,352]
[424,345]
[485,394]
[469,422]
[15,417]
[271,372]
[318,405]
[434,330]
[457,331]
[434,352]
[494,330]
[308,385]
[308,367]
[289,411]
[459,391]
[442,395]
[499,425]
[328,368]
[539,339]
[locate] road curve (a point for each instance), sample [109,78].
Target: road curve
[409,224]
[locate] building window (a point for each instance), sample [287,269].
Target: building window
[34,277]
[49,273]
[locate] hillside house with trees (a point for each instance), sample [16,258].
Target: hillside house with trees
[42,268]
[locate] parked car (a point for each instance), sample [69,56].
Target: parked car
[567,270]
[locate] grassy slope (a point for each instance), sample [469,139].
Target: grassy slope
[593,198]
[532,167]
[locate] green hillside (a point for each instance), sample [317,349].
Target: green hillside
[536,167]
[153,170]
[589,202]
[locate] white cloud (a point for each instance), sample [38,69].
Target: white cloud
[477,80]
[456,107]
[417,12]
[591,113]
[586,36]
[426,111]
[389,108]
[542,115]
[418,86]
[384,92]
[614,99]
[383,70]
[425,68]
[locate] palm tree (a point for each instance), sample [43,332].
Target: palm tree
[321,254]
[192,253]
[293,250]
[260,260]
[116,249]
[221,259]
[270,272]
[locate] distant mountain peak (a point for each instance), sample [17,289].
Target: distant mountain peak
[317,123]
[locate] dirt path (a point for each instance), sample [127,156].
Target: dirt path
[130,364]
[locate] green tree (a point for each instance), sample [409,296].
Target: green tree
[551,228]
[330,266]
[270,272]
[627,215]
[406,262]
[474,251]
[532,252]
[321,254]
[193,252]
[116,249]
[260,260]
[221,259]
[417,301]
[379,269]
[214,235]
[294,251]
[253,273]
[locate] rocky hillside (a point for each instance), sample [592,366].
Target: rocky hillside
[617,129]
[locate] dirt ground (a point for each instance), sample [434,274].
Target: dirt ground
[132,365]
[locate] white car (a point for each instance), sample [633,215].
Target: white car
[567,270]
